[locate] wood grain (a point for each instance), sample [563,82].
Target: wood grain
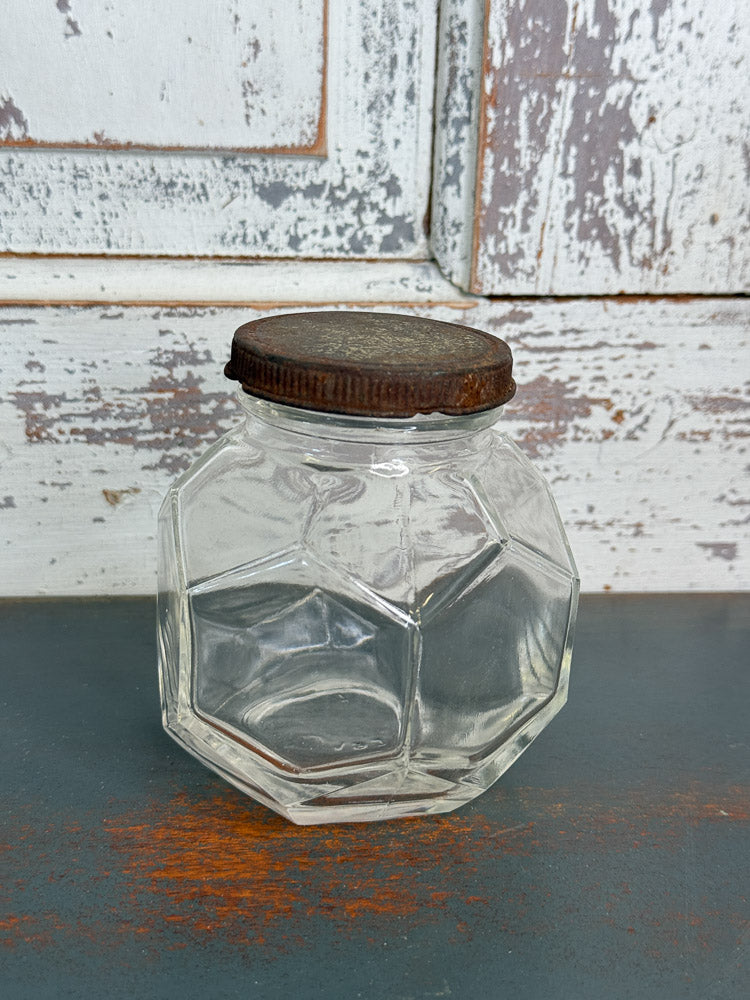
[613,148]
[368,197]
[636,410]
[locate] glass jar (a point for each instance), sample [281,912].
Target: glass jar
[366,597]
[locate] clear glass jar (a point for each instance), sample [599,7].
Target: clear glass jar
[362,617]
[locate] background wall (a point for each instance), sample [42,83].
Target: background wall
[515,183]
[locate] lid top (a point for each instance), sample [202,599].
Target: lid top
[371,364]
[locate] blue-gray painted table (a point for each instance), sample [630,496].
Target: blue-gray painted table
[611,860]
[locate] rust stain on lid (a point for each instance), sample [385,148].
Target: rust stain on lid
[371,364]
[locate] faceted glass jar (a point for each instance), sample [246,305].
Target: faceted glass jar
[362,618]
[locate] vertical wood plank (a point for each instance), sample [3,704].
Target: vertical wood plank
[457,120]
[614,149]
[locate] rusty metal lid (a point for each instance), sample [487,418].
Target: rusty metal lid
[371,364]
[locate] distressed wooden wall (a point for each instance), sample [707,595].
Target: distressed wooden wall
[581,147]
[594,146]
[636,409]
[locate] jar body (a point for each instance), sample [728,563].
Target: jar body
[358,618]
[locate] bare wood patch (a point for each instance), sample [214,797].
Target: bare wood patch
[115,497]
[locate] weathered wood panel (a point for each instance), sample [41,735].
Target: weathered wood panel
[613,151]
[368,197]
[635,410]
[86,280]
[180,74]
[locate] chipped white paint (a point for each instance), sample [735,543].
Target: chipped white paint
[180,73]
[82,280]
[367,198]
[614,149]
[634,409]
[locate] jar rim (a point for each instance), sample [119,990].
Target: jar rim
[421,426]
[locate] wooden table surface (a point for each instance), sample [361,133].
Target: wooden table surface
[611,861]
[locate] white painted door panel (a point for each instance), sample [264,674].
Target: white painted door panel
[180,74]
[142,143]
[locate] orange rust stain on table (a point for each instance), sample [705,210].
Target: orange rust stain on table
[222,867]
[229,865]
[27,929]
[241,862]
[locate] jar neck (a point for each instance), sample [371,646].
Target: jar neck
[336,427]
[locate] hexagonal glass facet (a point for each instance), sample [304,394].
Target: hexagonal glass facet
[362,619]
[307,675]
